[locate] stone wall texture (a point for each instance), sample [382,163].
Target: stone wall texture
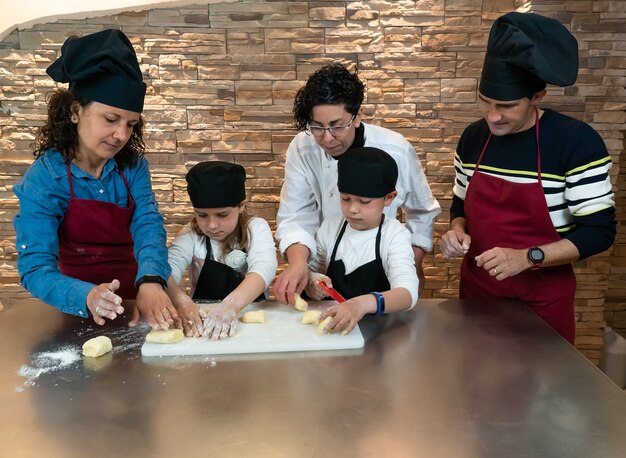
[222,77]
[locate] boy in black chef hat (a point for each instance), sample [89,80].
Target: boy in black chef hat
[366,257]
[89,232]
[231,258]
[532,192]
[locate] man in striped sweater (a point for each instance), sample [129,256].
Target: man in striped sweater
[532,192]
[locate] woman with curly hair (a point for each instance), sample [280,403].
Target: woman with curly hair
[328,113]
[89,233]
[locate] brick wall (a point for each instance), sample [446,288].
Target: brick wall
[222,77]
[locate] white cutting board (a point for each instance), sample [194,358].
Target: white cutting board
[281,332]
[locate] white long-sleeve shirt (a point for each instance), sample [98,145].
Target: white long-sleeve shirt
[188,251]
[357,248]
[309,194]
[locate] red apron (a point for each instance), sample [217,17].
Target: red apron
[501,213]
[95,242]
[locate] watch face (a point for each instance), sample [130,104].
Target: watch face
[536,255]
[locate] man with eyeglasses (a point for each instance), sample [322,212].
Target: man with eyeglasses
[327,110]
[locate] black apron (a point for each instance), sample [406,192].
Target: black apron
[217,280]
[365,279]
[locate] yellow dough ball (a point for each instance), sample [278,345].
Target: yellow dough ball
[97,346]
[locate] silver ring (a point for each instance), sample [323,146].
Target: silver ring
[495,271]
[189,321]
[98,310]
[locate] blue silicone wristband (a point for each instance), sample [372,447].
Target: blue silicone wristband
[380,303]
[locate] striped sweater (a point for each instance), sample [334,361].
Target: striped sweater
[574,175]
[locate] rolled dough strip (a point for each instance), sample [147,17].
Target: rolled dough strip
[257,316]
[322,325]
[311,317]
[97,346]
[165,336]
[301,304]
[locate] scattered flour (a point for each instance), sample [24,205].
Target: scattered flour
[47,362]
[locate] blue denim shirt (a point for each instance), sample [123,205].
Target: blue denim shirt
[44,196]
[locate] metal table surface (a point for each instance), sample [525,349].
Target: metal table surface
[449,379]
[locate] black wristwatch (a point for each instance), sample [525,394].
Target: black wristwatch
[536,256]
[151,279]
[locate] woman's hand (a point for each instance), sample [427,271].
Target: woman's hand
[103,302]
[313,289]
[221,322]
[155,306]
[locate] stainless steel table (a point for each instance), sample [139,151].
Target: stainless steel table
[448,379]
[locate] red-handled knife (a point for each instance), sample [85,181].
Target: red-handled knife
[331,291]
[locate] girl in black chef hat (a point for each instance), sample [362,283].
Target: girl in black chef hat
[230,257]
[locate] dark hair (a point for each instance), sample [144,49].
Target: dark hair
[60,132]
[332,85]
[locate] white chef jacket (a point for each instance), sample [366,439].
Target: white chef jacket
[309,194]
[357,248]
[188,250]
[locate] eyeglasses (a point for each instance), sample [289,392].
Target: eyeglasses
[319,131]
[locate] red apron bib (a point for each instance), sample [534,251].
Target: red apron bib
[504,214]
[95,242]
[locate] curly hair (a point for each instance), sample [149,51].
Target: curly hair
[237,240]
[60,132]
[332,85]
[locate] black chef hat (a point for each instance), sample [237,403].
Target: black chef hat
[525,51]
[366,172]
[103,67]
[216,184]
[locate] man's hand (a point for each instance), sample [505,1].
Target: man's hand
[503,263]
[455,244]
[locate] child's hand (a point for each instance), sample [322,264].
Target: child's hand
[345,315]
[189,313]
[221,322]
[313,289]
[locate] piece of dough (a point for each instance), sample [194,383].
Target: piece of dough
[165,336]
[97,346]
[254,317]
[301,304]
[311,317]
[322,325]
